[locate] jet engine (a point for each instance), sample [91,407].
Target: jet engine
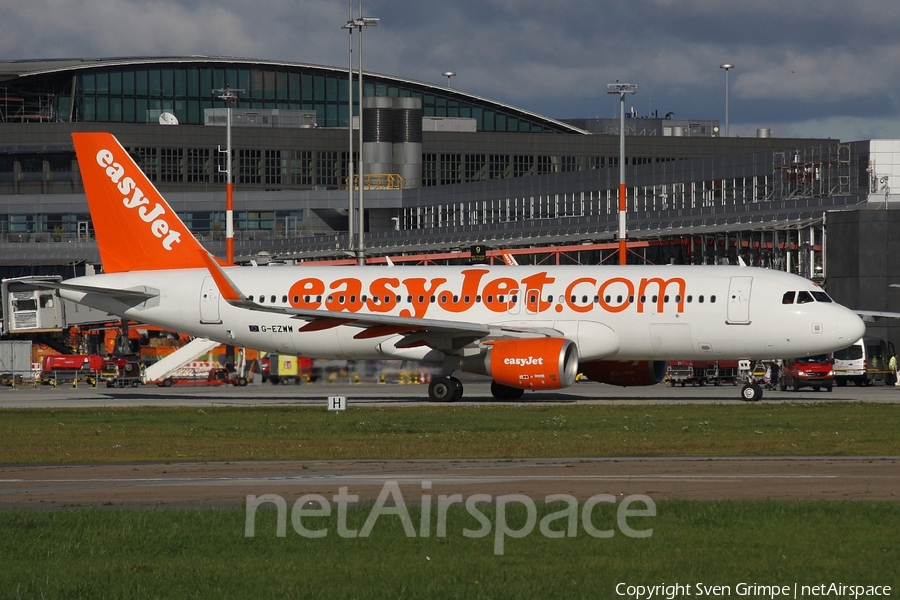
[529,364]
[625,372]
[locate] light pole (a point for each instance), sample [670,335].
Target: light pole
[349,25]
[361,23]
[621,89]
[448,75]
[230,97]
[726,66]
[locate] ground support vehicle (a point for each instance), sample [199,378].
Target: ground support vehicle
[215,376]
[127,375]
[701,372]
[685,372]
[815,372]
[286,368]
[864,363]
[73,368]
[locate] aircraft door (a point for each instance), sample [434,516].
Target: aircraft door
[739,300]
[209,301]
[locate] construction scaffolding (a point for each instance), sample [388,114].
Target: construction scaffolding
[812,172]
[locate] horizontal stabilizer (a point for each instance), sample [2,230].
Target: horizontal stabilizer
[128,295]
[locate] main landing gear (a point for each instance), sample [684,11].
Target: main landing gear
[445,389]
[450,389]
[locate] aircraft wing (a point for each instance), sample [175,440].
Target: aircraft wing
[444,335]
[872,315]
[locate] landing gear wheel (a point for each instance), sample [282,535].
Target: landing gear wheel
[445,389]
[751,392]
[458,393]
[505,392]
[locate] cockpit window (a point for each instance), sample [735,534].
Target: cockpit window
[788,298]
[822,297]
[804,297]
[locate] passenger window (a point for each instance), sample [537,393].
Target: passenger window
[284,299]
[712,298]
[272,298]
[788,298]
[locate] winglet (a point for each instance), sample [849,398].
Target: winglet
[226,287]
[136,229]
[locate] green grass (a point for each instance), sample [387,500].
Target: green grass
[466,431]
[204,554]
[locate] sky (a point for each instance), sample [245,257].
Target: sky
[804,68]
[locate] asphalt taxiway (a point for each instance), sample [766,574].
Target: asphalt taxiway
[228,484]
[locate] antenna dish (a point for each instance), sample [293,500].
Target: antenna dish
[168,118]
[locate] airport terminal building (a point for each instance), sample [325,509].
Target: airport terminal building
[444,171]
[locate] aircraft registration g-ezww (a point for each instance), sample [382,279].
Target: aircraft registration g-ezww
[527,327]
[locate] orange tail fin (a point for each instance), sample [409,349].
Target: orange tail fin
[136,229]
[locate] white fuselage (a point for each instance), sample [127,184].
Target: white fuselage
[611,312]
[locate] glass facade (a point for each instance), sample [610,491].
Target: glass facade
[140,93]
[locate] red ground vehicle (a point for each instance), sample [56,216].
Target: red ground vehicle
[816,372]
[59,368]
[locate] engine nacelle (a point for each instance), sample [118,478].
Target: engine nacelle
[530,364]
[625,372]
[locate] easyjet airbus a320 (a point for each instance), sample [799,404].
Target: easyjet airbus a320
[528,328]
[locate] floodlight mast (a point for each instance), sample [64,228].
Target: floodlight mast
[727,67]
[359,23]
[621,89]
[349,25]
[230,97]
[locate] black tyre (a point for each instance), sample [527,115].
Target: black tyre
[505,392]
[751,392]
[442,389]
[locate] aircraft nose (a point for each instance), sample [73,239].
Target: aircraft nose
[848,326]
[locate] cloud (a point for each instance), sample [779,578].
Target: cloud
[804,64]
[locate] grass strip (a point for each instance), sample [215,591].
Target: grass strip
[121,553]
[152,434]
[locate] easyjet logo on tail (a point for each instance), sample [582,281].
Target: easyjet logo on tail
[134,199]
